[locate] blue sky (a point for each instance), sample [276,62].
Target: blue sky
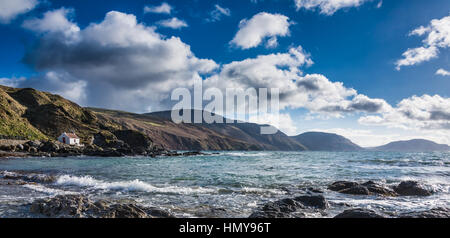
[358,45]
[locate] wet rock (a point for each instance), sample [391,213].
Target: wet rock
[285,205]
[314,190]
[28,177]
[79,206]
[432,213]
[375,188]
[359,213]
[292,208]
[158,213]
[206,211]
[411,188]
[356,190]
[316,201]
[124,211]
[341,185]
[367,188]
[275,214]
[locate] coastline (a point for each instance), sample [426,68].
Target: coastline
[223,186]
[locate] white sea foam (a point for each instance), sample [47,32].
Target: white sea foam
[49,191]
[244,154]
[128,186]
[262,191]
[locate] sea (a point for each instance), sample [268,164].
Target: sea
[229,184]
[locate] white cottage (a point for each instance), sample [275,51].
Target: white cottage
[69,139]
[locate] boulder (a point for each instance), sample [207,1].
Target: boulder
[29,177]
[33,143]
[341,185]
[359,213]
[356,190]
[316,201]
[78,206]
[285,205]
[367,188]
[411,188]
[291,208]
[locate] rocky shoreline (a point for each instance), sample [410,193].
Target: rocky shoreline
[57,149]
[298,205]
[314,202]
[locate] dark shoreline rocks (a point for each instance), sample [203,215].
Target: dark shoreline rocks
[411,188]
[359,213]
[118,149]
[405,188]
[292,207]
[79,206]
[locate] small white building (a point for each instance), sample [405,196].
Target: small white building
[69,139]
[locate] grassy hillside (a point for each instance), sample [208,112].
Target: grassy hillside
[32,114]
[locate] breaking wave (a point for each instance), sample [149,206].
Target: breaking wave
[128,186]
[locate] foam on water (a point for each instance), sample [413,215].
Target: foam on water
[46,190]
[245,154]
[129,186]
[262,191]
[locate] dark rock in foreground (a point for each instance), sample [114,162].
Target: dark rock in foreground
[432,213]
[406,188]
[316,201]
[359,213]
[291,208]
[411,188]
[78,206]
[28,177]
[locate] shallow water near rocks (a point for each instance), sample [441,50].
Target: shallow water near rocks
[229,184]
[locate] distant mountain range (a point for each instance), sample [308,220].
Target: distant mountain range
[417,145]
[319,141]
[32,114]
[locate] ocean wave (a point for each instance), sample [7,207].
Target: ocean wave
[46,190]
[128,186]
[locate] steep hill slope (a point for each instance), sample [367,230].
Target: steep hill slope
[248,132]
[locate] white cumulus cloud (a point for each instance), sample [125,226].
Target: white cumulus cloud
[327,7]
[437,36]
[252,32]
[10,9]
[443,72]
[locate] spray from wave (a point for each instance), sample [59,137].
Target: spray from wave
[128,186]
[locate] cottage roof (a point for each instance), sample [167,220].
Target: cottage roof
[72,135]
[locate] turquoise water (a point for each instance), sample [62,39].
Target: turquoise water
[235,182]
